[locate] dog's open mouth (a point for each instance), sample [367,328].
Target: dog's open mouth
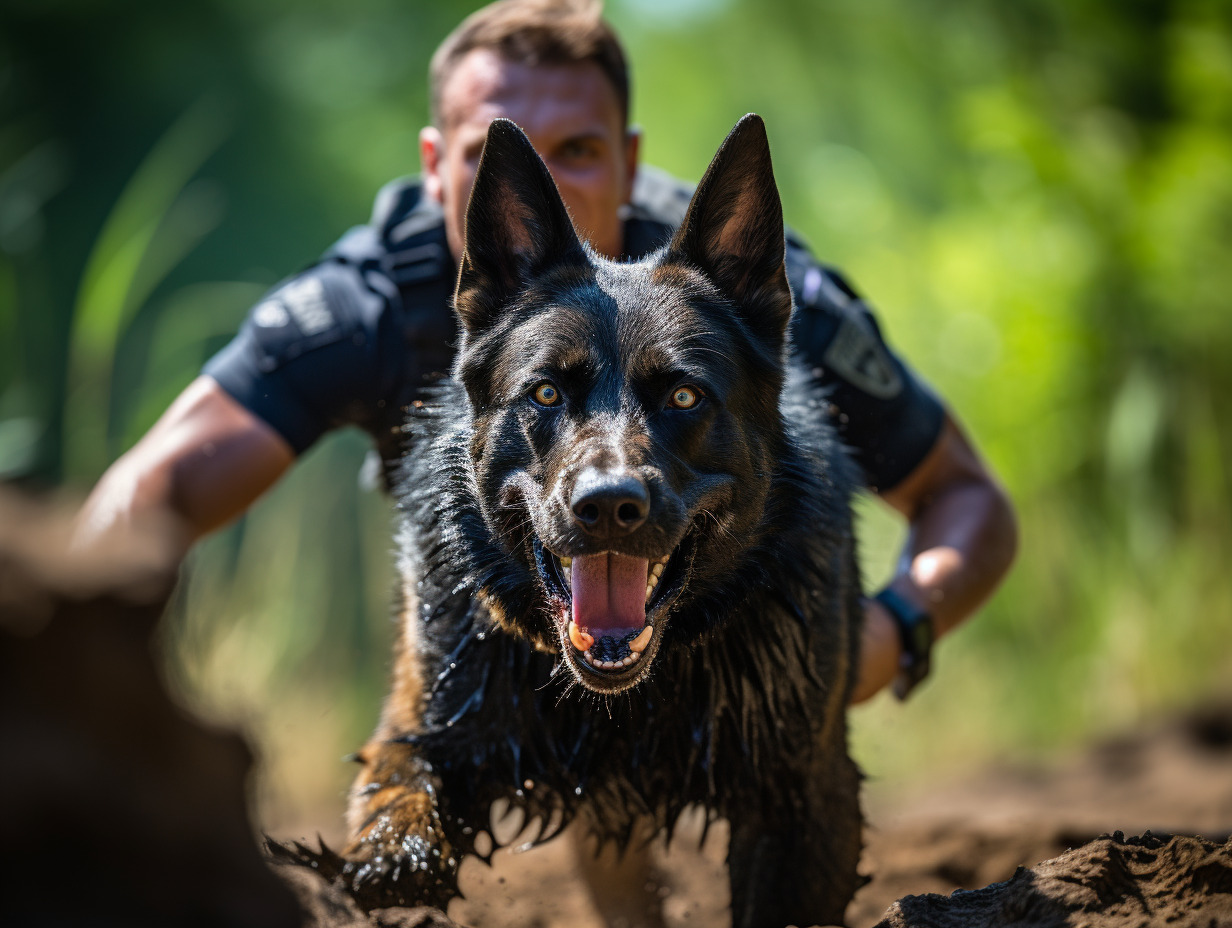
[611,609]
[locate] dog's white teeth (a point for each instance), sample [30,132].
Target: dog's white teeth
[657,570]
[627,661]
[566,562]
[638,644]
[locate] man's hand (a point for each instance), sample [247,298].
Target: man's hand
[962,539]
[201,465]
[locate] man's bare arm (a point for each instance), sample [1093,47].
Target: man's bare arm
[202,464]
[963,537]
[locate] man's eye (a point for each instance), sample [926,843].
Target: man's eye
[546,394]
[577,150]
[685,398]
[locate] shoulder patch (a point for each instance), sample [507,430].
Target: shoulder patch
[321,306]
[307,304]
[859,357]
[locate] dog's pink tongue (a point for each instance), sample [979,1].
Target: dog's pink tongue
[609,593]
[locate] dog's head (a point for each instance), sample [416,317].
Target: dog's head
[625,415]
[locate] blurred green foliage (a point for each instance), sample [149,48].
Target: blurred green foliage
[1036,195]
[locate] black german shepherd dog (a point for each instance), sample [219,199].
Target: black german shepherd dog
[628,557]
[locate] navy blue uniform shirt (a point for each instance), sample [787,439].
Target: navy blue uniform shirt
[355,338]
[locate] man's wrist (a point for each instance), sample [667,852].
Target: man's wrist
[916,636]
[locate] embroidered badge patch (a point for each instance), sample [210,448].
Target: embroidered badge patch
[859,357]
[306,301]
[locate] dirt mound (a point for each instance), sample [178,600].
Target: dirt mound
[119,809]
[1112,882]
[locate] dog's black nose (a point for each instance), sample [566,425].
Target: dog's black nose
[609,505]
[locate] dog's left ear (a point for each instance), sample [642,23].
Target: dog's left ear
[733,230]
[516,227]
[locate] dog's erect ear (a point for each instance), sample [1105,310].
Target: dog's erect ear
[733,230]
[516,226]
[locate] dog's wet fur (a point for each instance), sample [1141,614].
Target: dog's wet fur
[604,418]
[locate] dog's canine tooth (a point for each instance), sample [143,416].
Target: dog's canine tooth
[566,562]
[580,638]
[638,644]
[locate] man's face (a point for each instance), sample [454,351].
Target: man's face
[573,118]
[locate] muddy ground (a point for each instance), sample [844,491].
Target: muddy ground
[120,809]
[1172,779]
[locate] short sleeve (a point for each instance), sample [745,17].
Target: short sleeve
[308,358]
[882,409]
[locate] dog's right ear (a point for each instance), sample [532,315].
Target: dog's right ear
[516,227]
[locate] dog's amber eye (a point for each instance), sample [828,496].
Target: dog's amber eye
[545,394]
[685,397]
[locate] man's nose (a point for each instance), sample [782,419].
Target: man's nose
[608,505]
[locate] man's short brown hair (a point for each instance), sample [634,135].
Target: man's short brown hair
[534,32]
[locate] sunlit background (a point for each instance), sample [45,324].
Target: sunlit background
[1036,196]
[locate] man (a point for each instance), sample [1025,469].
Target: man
[353,339]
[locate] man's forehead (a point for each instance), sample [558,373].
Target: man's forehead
[551,100]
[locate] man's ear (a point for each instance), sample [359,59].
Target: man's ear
[733,230]
[516,227]
[431,162]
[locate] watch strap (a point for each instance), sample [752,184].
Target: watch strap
[915,632]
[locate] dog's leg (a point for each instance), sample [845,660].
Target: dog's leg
[399,853]
[800,871]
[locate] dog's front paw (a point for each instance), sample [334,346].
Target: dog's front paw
[404,868]
[399,855]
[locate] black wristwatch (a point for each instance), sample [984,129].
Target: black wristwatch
[915,631]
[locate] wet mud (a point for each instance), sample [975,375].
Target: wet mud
[1112,882]
[122,809]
